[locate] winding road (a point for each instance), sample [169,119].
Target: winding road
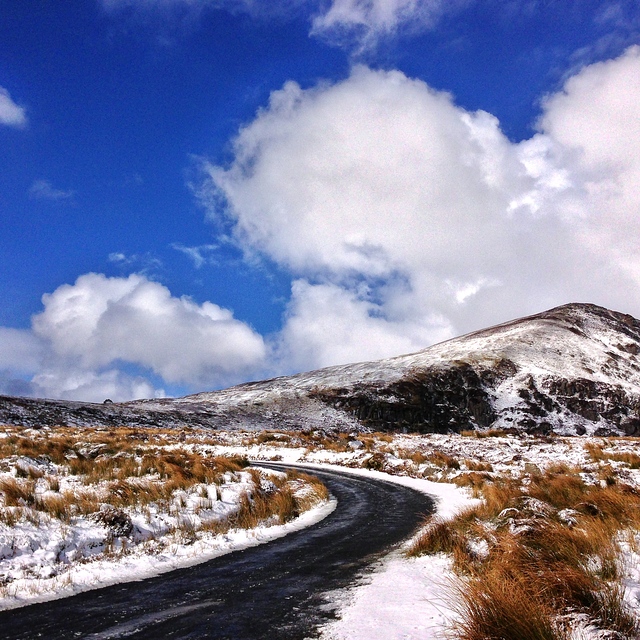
[276,591]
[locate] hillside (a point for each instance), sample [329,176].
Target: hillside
[573,370]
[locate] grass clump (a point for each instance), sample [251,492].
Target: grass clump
[440,536]
[444,460]
[17,493]
[502,606]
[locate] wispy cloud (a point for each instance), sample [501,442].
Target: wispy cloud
[200,255]
[356,25]
[44,190]
[144,263]
[362,23]
[11,114]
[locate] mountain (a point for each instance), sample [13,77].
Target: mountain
[572,370]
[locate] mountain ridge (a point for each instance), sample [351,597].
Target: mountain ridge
[573,369]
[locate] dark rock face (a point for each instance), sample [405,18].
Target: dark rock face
[439,401]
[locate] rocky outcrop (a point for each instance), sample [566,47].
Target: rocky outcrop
[440,400]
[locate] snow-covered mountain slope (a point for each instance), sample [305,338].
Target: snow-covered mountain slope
[573,369]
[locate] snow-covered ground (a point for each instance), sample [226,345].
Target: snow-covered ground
[405,598]
[144,561]
[402,599]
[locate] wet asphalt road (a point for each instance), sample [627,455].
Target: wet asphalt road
[275,591]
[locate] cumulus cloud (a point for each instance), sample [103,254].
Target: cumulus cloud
[11,114]
[20,350]
[402,219]
[406,218]
[98,321]
[596,118]
[90,386]
[328,324]
[90,334]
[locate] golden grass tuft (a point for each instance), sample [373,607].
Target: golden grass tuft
[440,536]
[502,606]
[444,460]
[17,493]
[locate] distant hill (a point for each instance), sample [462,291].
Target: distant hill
[572,370]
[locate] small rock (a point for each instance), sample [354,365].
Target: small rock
[589,508]
[569,517]
[118,522]
[537,508]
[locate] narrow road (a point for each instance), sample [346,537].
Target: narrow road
[275,591]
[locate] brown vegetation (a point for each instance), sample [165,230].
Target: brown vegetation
[551,548]
[130,469]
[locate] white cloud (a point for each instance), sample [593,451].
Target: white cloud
[145,263]
[83,344]
[20,350]
[596,118]
[331,325]
[99,321]
[363,22]
[402,220]
[11,114]
[44,190]
[91,386]
[406,218]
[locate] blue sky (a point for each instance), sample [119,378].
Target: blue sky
[195,193]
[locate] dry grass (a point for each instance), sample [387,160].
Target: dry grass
[489,433]
[478,465]
[17,493]
[440,536]
[598,454]
[504,607]
[133,469]
[441,459]
[277,506]
[474,480]
[540,564]
[308,439]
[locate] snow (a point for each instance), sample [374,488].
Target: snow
[412,598]
[43,557]
[141,562]
[575,342]
[406,599]
[539,346]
